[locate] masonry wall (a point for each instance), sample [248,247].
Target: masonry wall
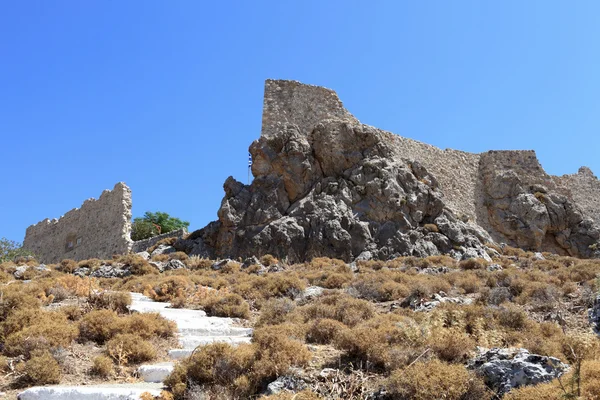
[143,245]
[99,229]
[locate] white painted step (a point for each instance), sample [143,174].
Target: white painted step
[215,329]
[92,392]
[191,342]
[155,372]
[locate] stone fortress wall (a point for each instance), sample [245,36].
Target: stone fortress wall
[458,172]
[99,229]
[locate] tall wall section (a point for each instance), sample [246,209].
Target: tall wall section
[99,229]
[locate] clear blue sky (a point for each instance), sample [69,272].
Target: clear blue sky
[167,95]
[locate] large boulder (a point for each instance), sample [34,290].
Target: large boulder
[327,185]
[509,368]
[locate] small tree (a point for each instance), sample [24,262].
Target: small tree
[9,250]
[152,224]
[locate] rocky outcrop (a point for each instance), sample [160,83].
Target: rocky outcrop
[327,185]
[507,369]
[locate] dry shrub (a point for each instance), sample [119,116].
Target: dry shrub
[451,345]
[432,379]
[102,366]
[267,260]
[324,331]
[469,283]
[170,287]
[198,263]
[38,330]
[511,316]
[138,265]
[178,255]
[441,261]
[584,271]
[148,325]
[384,341]
[545,391]
[513,251]
[166,241]
[160,258]
[100,325]
[378,287]
[42,369]
[261,288]
[473,263]
[302,395]
[226,305]
[275,311]
[343,308]
[92,263]
[67,266]
[126,348]
[244,369]
[116,301]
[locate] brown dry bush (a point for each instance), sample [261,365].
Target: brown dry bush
[138,265]
[92,264]
[302,395]
[441,261]
[261,288]
[148,325]
[40,330]
[226,305]
[170,287]
[128,348]
[340,307]
[275,311]
[178,255]
[67,266]
[511,316]
[196,263]
[473,263]
[42,369]
[432,379]
[116,301]
[160,258]
[267,260]
[100,325]
[166,241]
[385,342]
[244,369]
[431,228]
[102,366]
[451,345]
[378,287]
[469,283]
[324,331]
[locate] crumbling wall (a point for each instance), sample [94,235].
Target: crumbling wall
[99,229]
[145,244]
[584,188]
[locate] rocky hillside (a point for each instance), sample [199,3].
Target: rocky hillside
[327,185]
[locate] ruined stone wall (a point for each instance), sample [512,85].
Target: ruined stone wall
[458,172]
[584,188]
[143,245]
[99,229]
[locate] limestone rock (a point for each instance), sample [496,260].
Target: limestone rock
[327,185]
[173,264]
[20,271]
[509,368]
[110,271]
[163,249]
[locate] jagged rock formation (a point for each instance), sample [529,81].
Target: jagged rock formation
[327,185]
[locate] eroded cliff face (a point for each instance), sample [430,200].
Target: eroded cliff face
[327,185]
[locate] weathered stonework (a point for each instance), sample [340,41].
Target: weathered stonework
[327,185]
[145,244]
[99,229]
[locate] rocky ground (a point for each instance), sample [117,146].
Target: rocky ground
[516,325]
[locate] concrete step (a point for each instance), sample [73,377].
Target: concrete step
[155,372]
[214,330]
[191,342]
[92,392]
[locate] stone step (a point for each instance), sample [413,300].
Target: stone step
[124,391]
[155,372]
[191,342]
[214,330]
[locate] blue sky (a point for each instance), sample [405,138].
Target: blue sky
[167,95]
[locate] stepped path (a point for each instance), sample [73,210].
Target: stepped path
[194,328]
